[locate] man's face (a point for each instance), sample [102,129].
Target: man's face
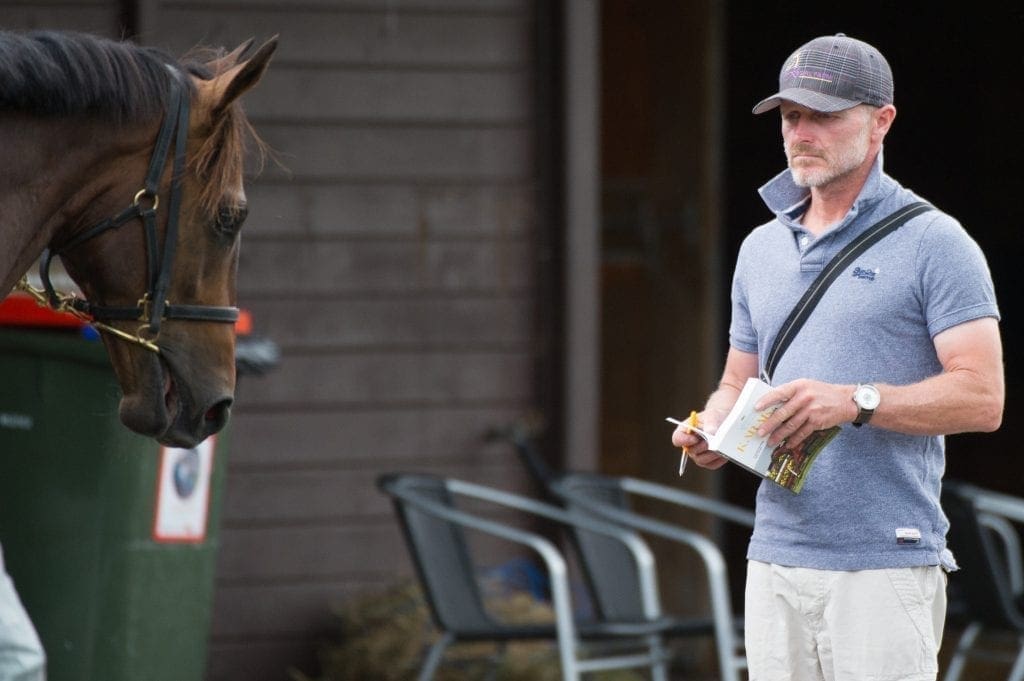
[824,147]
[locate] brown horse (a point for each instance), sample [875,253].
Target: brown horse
[128,165]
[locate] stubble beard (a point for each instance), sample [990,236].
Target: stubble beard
[848,158]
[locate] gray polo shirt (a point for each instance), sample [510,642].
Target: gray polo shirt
[871,492]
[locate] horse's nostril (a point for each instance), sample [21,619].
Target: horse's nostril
[217,415]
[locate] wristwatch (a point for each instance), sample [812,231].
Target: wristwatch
[866,397]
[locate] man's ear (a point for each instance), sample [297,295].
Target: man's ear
[883,118]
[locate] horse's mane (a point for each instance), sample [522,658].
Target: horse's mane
[68,74]
[58,73]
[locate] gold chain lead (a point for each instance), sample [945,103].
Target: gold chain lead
[65,306]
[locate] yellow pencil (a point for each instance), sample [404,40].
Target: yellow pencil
[692,421]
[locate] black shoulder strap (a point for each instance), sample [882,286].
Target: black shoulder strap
[810,298]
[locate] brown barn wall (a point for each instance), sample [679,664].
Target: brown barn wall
[96,16]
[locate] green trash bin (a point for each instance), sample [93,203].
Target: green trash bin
[110,538]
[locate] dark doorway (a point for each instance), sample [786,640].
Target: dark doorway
[659,239]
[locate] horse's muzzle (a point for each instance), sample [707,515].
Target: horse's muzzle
[182,414]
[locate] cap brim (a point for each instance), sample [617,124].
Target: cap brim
[809,98]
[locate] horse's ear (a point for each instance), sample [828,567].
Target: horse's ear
[237,80]
[230,59]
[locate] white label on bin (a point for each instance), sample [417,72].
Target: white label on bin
[183,493]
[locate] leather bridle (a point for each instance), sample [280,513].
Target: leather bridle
[153,307]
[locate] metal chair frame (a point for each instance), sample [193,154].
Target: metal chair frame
[994,517]
[408,495]
[573,488]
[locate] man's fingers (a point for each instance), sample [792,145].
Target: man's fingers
[708,459]
[683,438]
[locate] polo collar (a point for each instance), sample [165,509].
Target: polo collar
[788,201]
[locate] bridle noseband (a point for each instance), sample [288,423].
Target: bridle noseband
[153,307]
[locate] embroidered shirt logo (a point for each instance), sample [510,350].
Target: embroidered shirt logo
[908,535]
[863,273]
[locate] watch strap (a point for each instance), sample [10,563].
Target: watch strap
[863,416]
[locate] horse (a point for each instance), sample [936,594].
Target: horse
[128,164]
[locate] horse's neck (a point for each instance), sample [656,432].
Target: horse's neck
[45,162]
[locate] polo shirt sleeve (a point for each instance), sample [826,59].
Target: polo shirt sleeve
[954,278]
[742,335]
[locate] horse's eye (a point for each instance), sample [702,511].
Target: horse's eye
[229,219]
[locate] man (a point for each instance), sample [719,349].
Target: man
[845,580]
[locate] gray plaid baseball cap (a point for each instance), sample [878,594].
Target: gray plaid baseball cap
[832,73]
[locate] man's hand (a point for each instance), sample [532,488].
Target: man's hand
[804,407]
[695,446]
[739,366]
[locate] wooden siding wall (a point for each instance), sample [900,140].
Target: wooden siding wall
[96,16]
[393,263]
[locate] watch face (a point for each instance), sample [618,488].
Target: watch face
[867,397]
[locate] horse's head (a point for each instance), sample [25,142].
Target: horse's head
[175,247]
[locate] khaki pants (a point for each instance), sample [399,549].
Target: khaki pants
[822,625]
